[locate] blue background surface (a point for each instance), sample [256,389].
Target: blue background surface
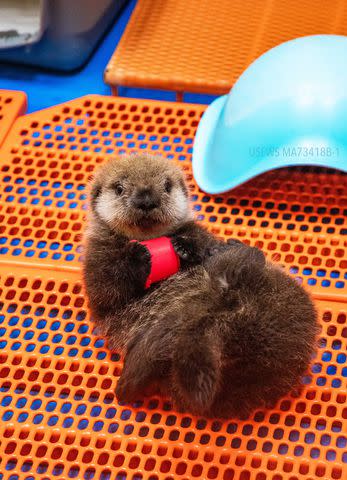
[46,88]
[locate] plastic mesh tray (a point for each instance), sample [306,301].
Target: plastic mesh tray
[60,419]
[12,104]
[298,216]
[59,416]
[204,45]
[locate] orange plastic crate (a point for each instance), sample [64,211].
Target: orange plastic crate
[12,104]
[204,45]
[59,416]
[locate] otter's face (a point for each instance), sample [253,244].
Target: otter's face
[141,197]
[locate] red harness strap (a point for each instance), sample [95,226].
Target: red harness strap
[164,260]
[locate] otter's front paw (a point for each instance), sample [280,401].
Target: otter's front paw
[186,249]
[139,259]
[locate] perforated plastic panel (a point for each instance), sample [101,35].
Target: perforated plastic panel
[59,416]
[296,215]
[12,104]
[60,419]
[204,45]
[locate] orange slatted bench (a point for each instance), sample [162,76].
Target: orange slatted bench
[203,46]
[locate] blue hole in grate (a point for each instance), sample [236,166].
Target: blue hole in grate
[85,341]
[331,370]
[81,409]
[98,426]
[113,427]
[66,407]
[27,322]
[53,312]
[27,466]
[36,404]
[310,437]
[331,455]
[58,470]
[69,327]
[6,401]
[74,472]
[30,347]
[38,419]
[51,406]
[53,420]
[336,344]
[95,412]
[68,422]
[298,451]
[73,352]
[57,338]
[106,475]
[341,442]
[326,357]
[15,333]
[341,358]
[111,412]
[22,417]
[325,440]
[315,453]
[10,465]
[83,424]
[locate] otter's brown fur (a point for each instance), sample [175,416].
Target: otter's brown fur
[228,333]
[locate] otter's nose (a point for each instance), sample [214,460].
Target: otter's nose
[145,200]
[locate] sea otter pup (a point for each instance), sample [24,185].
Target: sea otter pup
[228,333]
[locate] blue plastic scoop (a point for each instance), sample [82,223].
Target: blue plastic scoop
[288,108]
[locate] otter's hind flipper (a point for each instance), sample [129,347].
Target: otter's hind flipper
[196,366]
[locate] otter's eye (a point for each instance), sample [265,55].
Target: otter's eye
[168,185]
[118,188]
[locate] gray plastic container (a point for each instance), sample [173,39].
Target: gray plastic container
[56,34]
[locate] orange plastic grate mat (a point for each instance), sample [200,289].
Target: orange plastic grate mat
[203,46]
[59,416]
[60,419]
[297,216]
[12,104]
